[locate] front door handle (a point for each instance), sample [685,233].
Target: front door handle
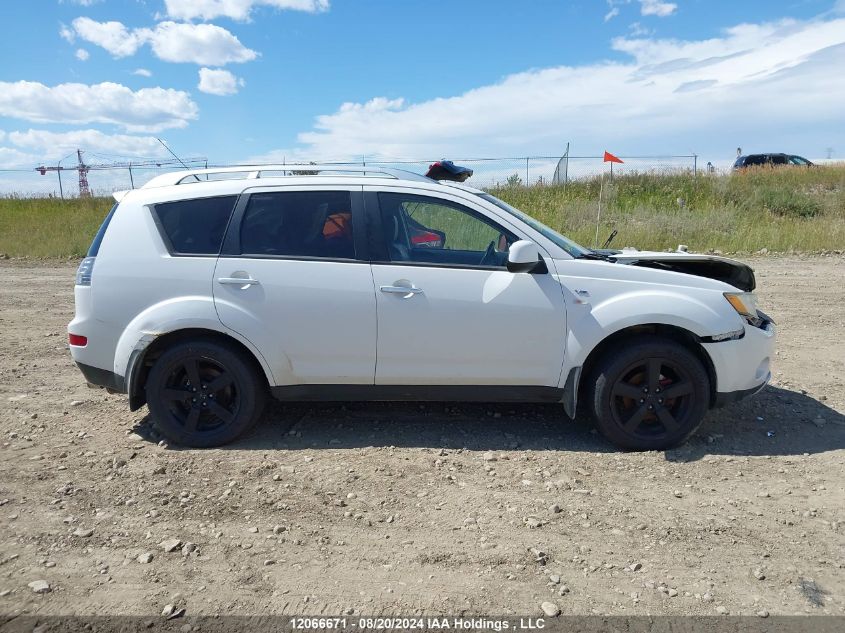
[407,291]
[244,282]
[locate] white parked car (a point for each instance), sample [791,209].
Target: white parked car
[206,290]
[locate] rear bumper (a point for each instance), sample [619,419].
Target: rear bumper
[97,377]
[743,366]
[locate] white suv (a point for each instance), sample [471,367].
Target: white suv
[204,291]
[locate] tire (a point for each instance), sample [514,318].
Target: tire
[627,394]
[228,401]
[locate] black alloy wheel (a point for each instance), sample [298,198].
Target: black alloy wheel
[201,394]
[651,395]
[204,393]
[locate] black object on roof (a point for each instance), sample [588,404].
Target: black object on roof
[447,170]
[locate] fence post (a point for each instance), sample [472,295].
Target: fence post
[527,178]
[566,167]
[695,164]
[131,179]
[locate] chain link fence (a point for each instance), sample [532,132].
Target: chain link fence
[487,172]
[551,170]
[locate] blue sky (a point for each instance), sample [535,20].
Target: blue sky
[239,80]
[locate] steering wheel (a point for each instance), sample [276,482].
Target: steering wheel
[489,258]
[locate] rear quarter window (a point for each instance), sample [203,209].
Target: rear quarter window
[194,227]
[101,233]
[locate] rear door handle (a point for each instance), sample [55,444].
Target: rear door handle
[244,282]
[401,290]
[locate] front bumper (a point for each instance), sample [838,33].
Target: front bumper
[723,398]
[743,366]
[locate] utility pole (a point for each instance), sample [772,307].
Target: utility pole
[59,173]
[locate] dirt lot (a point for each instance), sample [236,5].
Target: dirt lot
[432,509]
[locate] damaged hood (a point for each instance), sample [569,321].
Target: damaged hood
[722,269]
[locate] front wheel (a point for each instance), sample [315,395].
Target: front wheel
[204,393]
[651,395]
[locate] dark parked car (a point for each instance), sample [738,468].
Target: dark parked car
[771,160]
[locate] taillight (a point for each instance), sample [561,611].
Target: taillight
[77,340]
[83,273]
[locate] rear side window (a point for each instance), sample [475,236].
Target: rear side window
[298,224]
[194,227]
[101,232]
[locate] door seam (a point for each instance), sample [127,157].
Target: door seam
[375,300]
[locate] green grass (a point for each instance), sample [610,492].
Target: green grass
[50,227]
[779,209]
[782,210]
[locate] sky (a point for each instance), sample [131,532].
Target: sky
[272,80]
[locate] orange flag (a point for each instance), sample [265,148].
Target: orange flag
[610,158]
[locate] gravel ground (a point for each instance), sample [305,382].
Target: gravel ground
[435,509]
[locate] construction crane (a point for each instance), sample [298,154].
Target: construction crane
[82,169]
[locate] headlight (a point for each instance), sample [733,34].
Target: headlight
[743,302]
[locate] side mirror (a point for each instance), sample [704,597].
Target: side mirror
[523,257]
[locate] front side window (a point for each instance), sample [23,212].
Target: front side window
[575,250]
[420,229]
[194,227]
[298,224]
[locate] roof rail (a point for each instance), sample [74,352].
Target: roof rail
[255,171]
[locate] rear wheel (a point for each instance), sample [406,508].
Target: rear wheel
[651,395]
[204,393]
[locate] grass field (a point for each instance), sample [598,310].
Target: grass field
[778,209]
[781,210]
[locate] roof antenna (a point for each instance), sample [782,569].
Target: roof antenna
[176,157]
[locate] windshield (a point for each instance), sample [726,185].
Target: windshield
[566,244]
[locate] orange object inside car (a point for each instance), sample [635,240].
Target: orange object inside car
[337,226]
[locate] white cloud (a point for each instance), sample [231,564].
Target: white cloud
[67,33]
[112,36]
[657,7]
[614,11]
[203,44]
[635,29]
[142,72]
[53,145]
[235,9]
[782,78]
[11,158]
[148,109]
[82,55]
[219,82]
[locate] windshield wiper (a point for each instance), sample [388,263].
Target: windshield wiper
[594,255]
[609,239]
